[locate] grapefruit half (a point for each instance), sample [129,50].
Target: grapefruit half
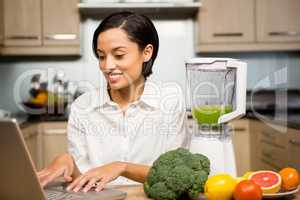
[269,181]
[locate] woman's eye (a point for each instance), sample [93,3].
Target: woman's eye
[101,57]
[119,56]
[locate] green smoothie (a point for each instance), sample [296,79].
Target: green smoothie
[209,114]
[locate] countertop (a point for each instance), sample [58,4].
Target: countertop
[290,120]
[137,193]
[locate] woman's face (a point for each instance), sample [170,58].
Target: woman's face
[120,59]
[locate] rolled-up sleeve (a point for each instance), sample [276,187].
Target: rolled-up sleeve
[77,145]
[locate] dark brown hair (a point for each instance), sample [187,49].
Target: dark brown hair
[139,29]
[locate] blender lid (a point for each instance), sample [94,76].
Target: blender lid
[207,60]
[209,63]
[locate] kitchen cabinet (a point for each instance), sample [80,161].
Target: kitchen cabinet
[226,21]
[54,140]
[294,149]
[41,27]
[248,25]
[22,23]
[45,141]
[30,134]
[241,144]
[61,22]
[278,21]
[1,24]
[273,146]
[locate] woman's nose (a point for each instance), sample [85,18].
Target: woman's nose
[108,64]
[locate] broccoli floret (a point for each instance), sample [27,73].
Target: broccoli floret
[176,174]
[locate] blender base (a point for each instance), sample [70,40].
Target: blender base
[218,149]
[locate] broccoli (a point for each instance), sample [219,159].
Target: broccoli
[177,174]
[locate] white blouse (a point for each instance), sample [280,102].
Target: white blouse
[99,132]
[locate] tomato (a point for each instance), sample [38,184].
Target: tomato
[290,178]
[247,190]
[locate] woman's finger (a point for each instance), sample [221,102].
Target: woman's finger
[75,182]
[42,171]
[67,175]
[43,174]
[51,177]
[90,184]
[81,183]
[100,185]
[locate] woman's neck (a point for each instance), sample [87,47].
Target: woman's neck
[123,97]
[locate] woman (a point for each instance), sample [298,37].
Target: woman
[116,133]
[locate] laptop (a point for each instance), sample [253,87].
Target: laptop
[18,179]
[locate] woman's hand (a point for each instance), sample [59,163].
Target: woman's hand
[62,165]
[98,176]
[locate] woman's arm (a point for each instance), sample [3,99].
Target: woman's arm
[100,176]
[136,172]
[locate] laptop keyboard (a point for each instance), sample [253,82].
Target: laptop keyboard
[57,195]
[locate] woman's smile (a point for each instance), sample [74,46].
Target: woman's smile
[114,77]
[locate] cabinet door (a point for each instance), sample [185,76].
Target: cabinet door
[22,23]
[54,141]
[241,143]
[61,22]
[226,21]
[277,20]
[1,24]
[30,135]
[294,149]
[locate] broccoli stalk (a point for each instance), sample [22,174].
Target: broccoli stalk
[177,174]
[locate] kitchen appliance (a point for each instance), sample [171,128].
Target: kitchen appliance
[216,94]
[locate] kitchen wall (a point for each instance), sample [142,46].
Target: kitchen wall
[176,45]
[266,68]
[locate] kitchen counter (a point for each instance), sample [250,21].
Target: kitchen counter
[137,193]
[291,120]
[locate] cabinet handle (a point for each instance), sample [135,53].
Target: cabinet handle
[269,135]
[267,154]
[239,129]
[285,33]
[61,37]
[294,142]
[228,34]
[55,132]
[22,37]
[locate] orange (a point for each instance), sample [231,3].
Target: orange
[290,178]
[269,181]
[247,190]
[41,98]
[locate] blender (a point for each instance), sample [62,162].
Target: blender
[216,94]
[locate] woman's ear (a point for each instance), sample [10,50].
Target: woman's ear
[147,53]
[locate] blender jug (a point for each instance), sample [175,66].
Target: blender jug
[217,90]
[216,94]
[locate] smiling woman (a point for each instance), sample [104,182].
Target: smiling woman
[115,134]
